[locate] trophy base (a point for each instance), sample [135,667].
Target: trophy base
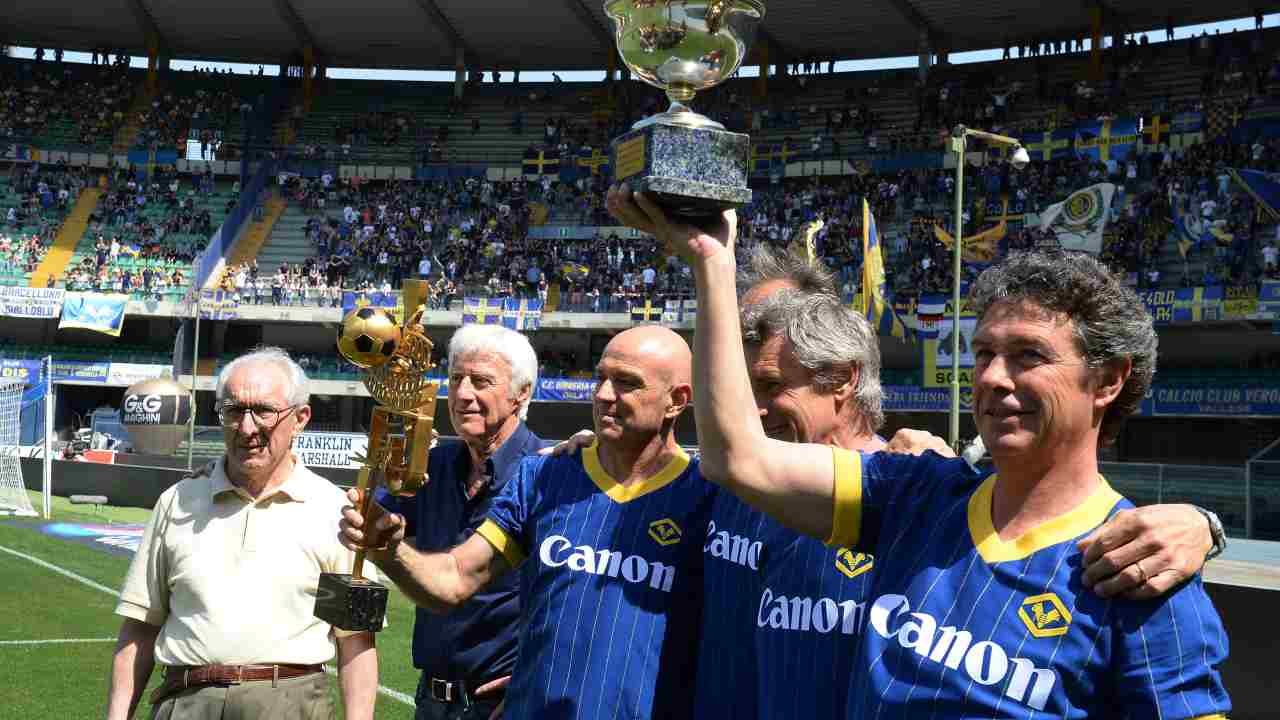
[693,171]
[350,604]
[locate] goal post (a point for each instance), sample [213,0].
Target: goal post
[14,499]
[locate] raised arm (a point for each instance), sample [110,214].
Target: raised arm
[438,582]
[793,483]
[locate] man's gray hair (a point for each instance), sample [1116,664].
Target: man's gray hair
[765,264]
[1109,321]
[505,343]
[828,339]
[299,392]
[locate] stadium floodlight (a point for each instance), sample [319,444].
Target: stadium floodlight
[1019,159]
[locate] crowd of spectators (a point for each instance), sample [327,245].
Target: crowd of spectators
[157,225]
[82,105]
[200,101]
[472,236]
[22,253]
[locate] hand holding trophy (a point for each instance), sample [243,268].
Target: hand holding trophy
[396,360]
[692,167]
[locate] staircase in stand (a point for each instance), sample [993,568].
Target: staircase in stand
[64,244]
[127,134]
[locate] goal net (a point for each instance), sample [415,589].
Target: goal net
[14,499]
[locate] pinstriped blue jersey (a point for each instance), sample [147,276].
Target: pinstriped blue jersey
[962,624]
[782,619]
[611,587]
[733,555]
[807,621]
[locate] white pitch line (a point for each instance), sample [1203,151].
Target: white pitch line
[382,689]
[58,641]
[61,571]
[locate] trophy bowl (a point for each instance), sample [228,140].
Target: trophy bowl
[690,163]
[684,46]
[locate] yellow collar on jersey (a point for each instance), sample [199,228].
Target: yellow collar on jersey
[625,493]
[1085,517]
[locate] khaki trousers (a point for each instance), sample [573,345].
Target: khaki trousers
[309,697]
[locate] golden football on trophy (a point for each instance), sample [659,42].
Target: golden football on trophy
[368,337]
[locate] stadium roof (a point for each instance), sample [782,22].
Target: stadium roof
[546,34]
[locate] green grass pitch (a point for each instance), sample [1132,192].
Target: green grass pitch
[69,680]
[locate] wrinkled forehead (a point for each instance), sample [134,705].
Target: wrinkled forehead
[482,361]
[1022,315]
[258,382]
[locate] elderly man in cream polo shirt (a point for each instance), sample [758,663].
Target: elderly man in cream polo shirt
[222,589]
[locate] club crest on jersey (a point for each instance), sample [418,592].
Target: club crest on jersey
[665,531]
[1045,616]
[853,564]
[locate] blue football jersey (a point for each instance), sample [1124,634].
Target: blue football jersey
[808,619]
[962,624]
[611,589]
[732,556]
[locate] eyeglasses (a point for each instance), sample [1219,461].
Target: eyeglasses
[264,416]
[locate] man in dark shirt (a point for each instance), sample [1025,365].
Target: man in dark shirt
[466,657]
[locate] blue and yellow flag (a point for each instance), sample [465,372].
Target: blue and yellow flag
[1155,131]
[761,159]
[1107,140]
[521,315]
[218,305]
[483,311]
[93,311]
[646,313]
[541,162]
[1196,304]
[1050,145]
[878,306]
[595,161]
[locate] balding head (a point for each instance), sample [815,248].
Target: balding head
[656,348]
[644,383]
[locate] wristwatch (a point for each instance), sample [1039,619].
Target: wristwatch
[1215,530]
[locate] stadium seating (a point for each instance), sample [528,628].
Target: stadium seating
[87,107]
[215,203]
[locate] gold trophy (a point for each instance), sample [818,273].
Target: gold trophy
[401,432]
[690,163]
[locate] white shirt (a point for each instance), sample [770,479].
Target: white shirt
[1270,254]
[209,548]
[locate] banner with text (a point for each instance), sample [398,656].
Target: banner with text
[28,371]
[31,302]
[1250,400]
[330,449]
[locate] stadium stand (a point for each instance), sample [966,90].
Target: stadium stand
[143,237]
[65,105]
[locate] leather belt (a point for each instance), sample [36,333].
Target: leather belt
[181,677]
[450,692]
